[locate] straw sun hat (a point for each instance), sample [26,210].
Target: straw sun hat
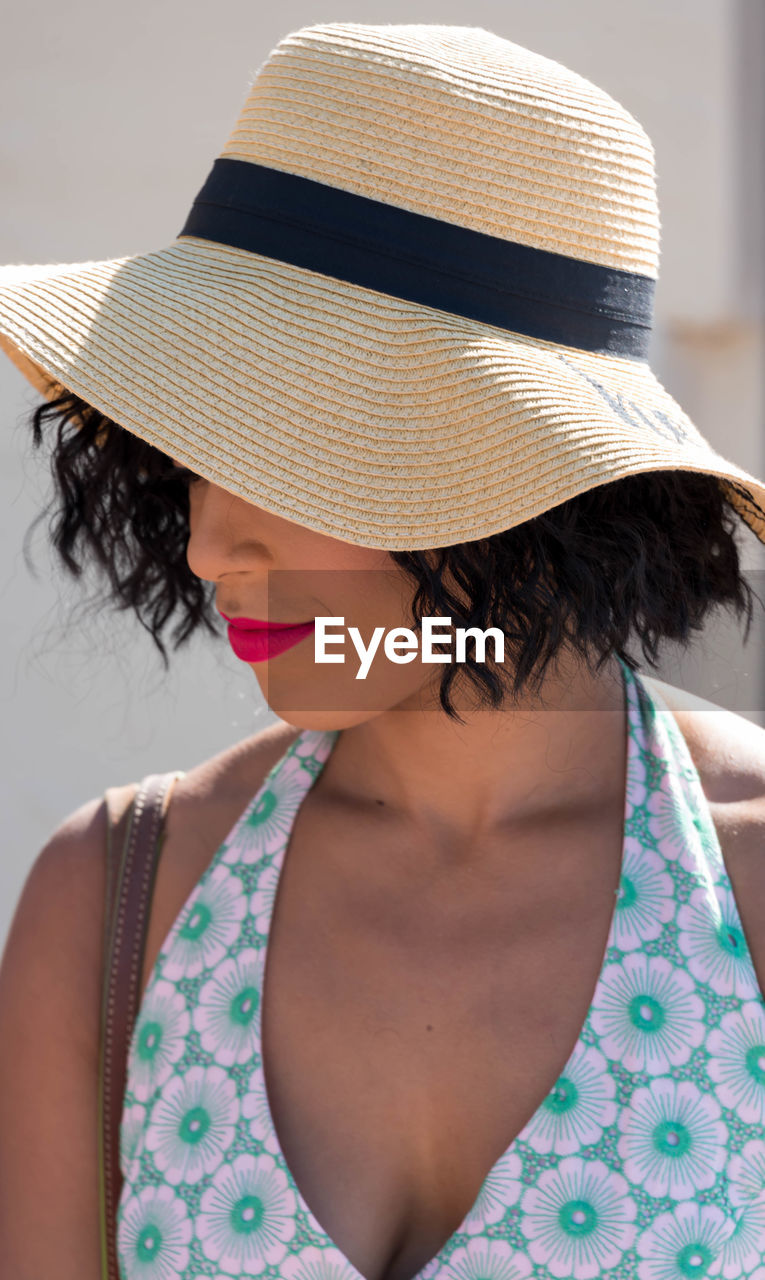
[410,306]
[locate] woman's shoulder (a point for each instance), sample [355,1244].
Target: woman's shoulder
[207,800]
[232,776]
[204,795]
[727,749]
[58,920]
[204,806]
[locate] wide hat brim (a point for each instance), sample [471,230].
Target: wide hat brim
[374,420]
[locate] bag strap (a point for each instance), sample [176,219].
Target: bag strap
[134,837]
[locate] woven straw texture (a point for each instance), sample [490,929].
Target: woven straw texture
[365,417]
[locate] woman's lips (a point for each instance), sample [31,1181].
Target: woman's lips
[254,640]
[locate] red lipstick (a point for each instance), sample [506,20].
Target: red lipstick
[254,640]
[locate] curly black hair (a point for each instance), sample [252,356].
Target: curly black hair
[652,553]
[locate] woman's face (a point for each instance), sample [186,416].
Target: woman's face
[268,568]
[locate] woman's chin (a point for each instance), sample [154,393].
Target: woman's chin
[308,701]
[322,721]
[334,696]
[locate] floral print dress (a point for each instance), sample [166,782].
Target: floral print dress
[646,1159]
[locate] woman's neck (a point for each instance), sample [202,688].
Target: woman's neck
[563,749]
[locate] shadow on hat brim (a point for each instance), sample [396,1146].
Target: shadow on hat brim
[370,419]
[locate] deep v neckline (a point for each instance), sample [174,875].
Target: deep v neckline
[502,1174]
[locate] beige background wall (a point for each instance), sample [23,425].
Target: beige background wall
[110,117]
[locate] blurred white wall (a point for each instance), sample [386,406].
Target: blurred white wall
[110,117]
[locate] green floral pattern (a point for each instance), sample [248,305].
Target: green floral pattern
[646,1160]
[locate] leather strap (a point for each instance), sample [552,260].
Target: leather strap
[134,835]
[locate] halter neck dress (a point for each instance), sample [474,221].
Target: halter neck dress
[647,1158]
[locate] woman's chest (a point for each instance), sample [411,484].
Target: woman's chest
[410,1036]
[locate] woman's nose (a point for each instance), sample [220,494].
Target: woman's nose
[223,533]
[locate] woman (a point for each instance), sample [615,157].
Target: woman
[513,1022]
